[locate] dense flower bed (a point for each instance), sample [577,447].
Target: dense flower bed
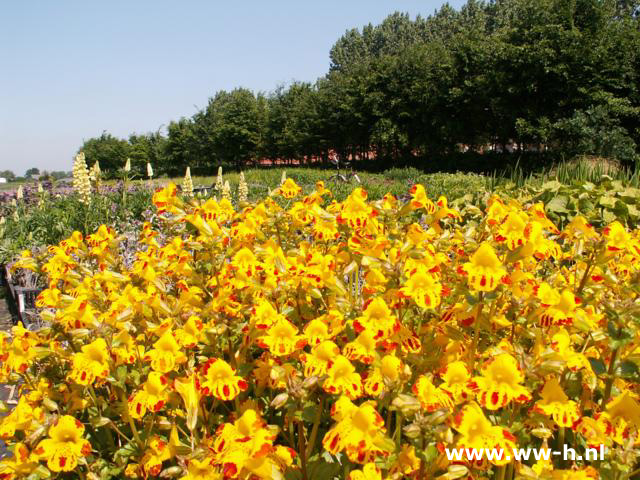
[305,338]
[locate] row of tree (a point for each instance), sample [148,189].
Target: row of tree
[33,173]
[556,77]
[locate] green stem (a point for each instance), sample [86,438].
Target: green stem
[509,475]
[560,446]
[423,463]
[114,426]
[501,472]
[27,379]
[476,334]
[612,377]
[635,472]
[314,429]
[302,449]
[398,433]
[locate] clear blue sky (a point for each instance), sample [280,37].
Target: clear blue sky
[71,69]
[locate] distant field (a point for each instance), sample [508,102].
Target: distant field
[397,181]
[5,187]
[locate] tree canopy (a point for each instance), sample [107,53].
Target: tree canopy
[556,77]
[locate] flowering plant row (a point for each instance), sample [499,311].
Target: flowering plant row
[304,338]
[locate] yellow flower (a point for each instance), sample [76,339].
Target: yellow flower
[384,376]
[152,396]
[324,227]
[21,352]
[375,281]
[554,402]
[579,228]
[263,314]
[202,470]
[596,431]
[65,445]
[419,199]
[561,343]
[362,349]
[355,211]
[623,416]
[154,456]
[317,362]
[245,448]
[423,287]
[512,229]
[377,319]
[316,331]
[443,212]
[188,389]
[166,354]
[79,314]
[91,363]
[477,432]
[618,239]
[500,383]
[368,472]
[558,308]
[20,465]
[123,348]
[245,262]
[289,189]
[189,335]
[431,398]
[282,338]
[166,199]
[343,379]
[456,377]
[485,270]
[221,381]
[300,214]
[407,462]
[22,418]
[359,431]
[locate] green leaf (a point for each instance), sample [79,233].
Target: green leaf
[607,201]
[309,413]
[558,204]
[627,369]
[633,211]
[323,470]
[608,216]
[552,186]
[597,365]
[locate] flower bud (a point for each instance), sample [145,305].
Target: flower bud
[280,400]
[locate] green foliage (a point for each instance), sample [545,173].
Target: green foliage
[233,123]
[31,172]
[110,152]
[396,181]
[8,174]
[599,202]
[54,219]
